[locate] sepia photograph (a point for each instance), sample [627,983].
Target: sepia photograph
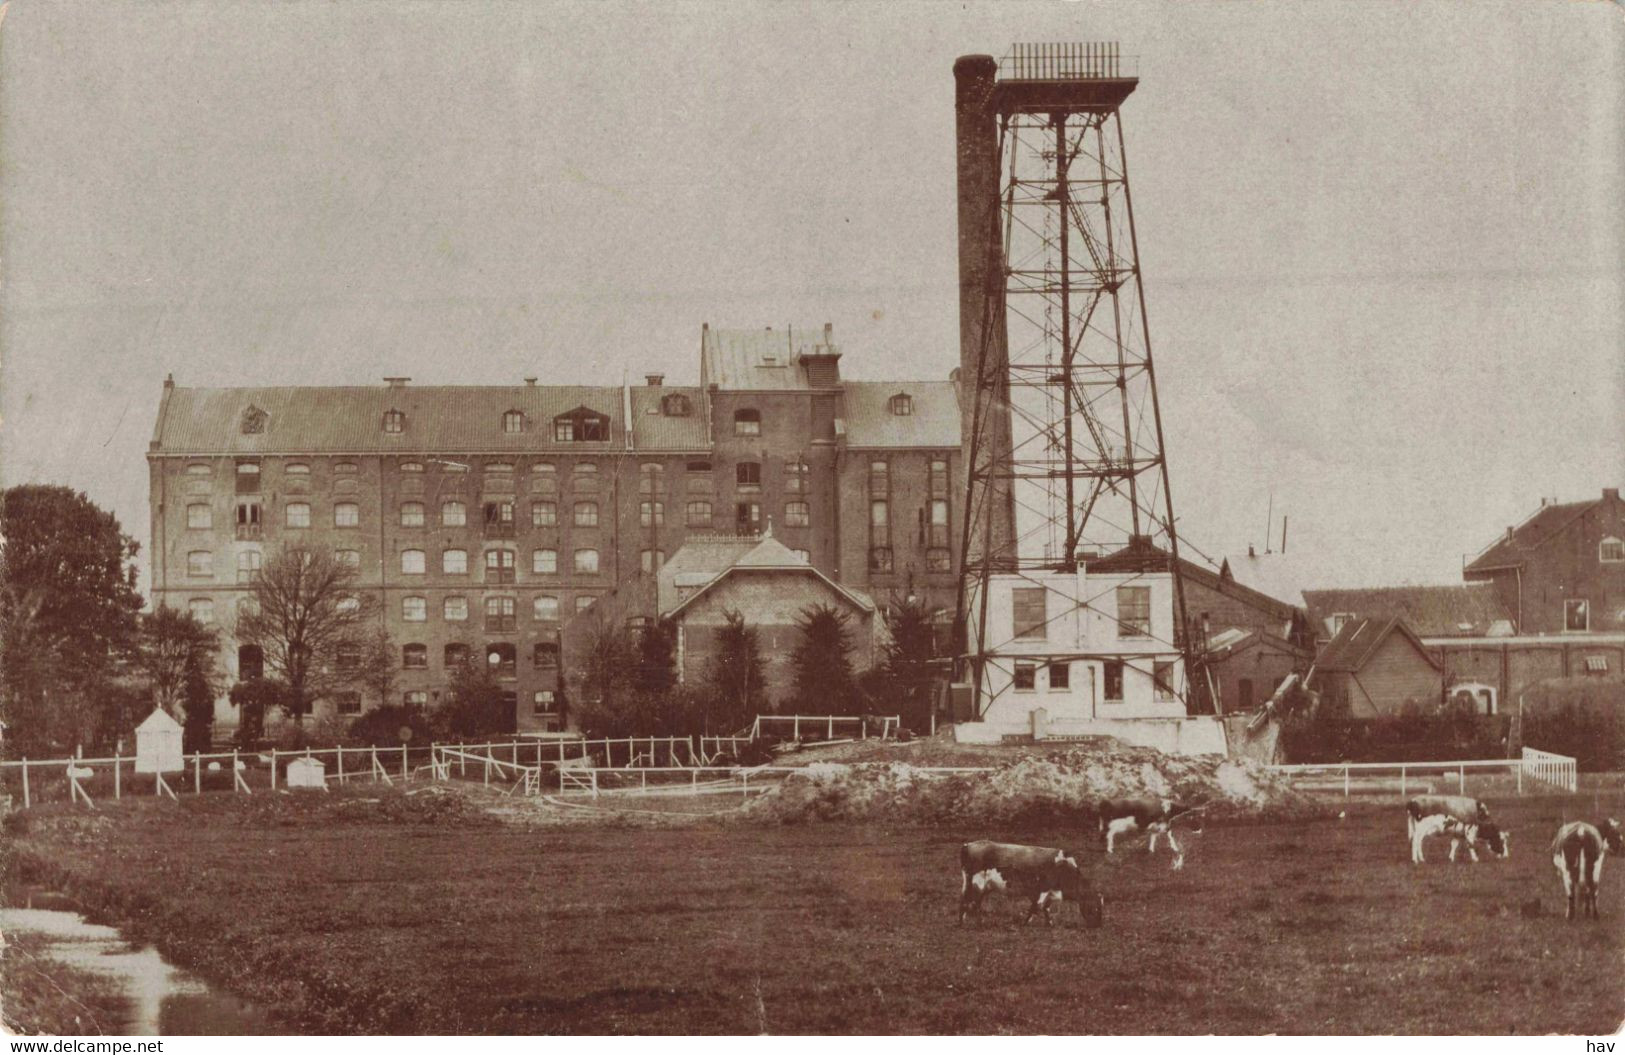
[729,518]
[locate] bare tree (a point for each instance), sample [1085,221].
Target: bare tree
[173,646]
[311,624]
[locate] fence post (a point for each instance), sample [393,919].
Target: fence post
[830,735]
[118,757]
[1520,776]
[235,779]
[1401,781]
[797,727]
[1345,781]
[744,784]
[341,765]
[406,773]
[273,769]
[27,801]
[197,772]
[1461,780]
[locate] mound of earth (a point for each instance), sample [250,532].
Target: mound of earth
[1061,785]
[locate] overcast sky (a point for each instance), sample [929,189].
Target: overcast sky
[1383,244]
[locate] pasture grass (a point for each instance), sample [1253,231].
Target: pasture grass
[389,924]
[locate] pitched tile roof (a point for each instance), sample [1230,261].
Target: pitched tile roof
[1544,524]
[722,556]
[870,422]
[1470,610]
[1358,641]
[439,418]
[766,359]
[653,430]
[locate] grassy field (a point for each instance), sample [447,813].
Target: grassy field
[348,915]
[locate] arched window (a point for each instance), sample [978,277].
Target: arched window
[455,654]
[747,422]
[675,405]
[545,609]
[652,479]
[199,516]
[414,609]
[544,477]
[412,514]
[501,657]
[544,514]
[698,514]
[796,514]
[453,514]
[349,604]
[394,421]
[202,609]
[513,422]
[545,655]
[199,469]
[1611,551]
[200,564]
[455,609]
[651,514]
[296,515]
[454,562]
[248,478]
[345,468]
[586,514]
[406,467]
[544,562]
[586,562]
[346,514]
[415,657]
[296,469]
[413,562]
[748,476]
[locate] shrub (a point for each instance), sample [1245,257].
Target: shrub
[381,726]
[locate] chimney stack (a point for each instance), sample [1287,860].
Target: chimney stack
[655,380]
[397,382]
[530,381]
[1610,494]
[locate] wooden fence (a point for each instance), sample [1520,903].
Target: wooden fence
[1535,771]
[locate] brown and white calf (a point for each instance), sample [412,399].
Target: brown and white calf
[1042,873]
[1466,820]
[1126,816]
[1577,853]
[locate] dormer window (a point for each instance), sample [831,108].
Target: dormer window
[1611,551]
[902,404]
[676,405]
[513,422]
[581,425]
[253,420]
[394,421]
[747,422]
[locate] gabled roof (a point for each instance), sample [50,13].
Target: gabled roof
[654,430]
[765,555]
[1545,524]
[1359,640]
[1275,575]
[870,422]
[1471,610]
[159,721]
[439,419]
[765,359]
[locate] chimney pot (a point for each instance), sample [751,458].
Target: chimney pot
[530,380]
[1611,493]
[655,380]
[397,382]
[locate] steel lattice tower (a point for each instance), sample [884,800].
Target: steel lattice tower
[1064,455]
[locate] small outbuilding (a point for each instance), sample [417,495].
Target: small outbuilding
[158,744]
[307,773]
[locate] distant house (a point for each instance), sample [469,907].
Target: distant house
[1375,667]
[1246,666]
[1473,610]
[711,577]
[1561,571]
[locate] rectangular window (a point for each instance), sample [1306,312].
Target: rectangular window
[564,430]
[499,565]
[544,514]
[795,478]
[586,562]
[199,517]
[411,514]
[879,480]
[880,523]
[416,698]
[454,562]
[748,476]
[796,514]
[1060,677]
[346,514]
[248,520]
[499,614]
[586,514]
[415,657]
[544,655]
[456,609]
[1026,676]
[1577,616]
[542,702]
[248,478]
[651,514]
[939,478]
[1134,611]
[453,514]
[454,655]
[1611,550]
[349,703]
[1112,677]
[698,514]
[584,602]
[748,518]
[248,565]
[544,562]
[1163,675]
[939,559]
[880,558]
[651,560]
[202,609]
[652,479]
[297,515]
[1029,605]
[350,558]
[545,609]
[413,562]
[414,610]
[939,523]
[200,564]
[499,520]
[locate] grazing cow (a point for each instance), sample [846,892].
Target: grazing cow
[1466,820]
[1123,816]
[1577,852]
[1040,872]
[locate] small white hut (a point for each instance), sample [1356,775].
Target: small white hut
[158,744]
[307,773]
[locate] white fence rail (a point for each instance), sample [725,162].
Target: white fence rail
[1536,770]
[700,780]
[857,727]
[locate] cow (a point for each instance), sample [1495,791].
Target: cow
[1466,820]
[1122,816]
[1577,853]
[1042,873]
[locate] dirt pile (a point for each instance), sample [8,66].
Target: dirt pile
[1064,785]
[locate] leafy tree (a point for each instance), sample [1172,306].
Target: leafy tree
[376,668]
[174,650]
[197,699]
[312,627]
[255,697]
[477,705]
[612,704]
[68,607]
[655,659]
[734,689]
[822,663]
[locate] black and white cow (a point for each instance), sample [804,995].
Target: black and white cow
[1466,820]
[1042,873]
[1577,853]
[1126,816]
